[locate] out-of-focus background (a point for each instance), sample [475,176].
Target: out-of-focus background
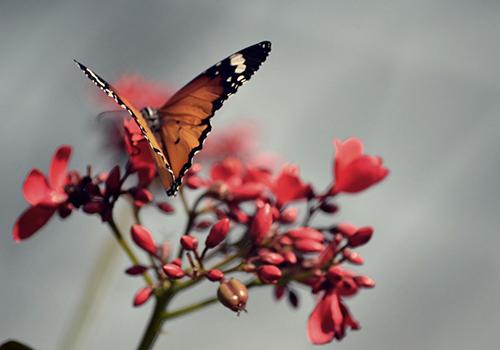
[417,81]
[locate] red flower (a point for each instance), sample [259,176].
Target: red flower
[46,196]
[238,140]
[141,92]
[288,186]
[355,171]
[329,319]
[140,157]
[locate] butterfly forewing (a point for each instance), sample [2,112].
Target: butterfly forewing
[185,118]
[164,170]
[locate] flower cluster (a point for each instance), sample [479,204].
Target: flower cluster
[248,226]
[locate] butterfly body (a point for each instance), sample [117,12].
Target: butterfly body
[176,131]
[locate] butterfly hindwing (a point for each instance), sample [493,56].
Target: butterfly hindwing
[185,118]
[164,169]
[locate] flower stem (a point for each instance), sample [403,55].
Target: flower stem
[155,322]
[126,248]
[188,309]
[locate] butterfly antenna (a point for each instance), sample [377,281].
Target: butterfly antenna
[104,114]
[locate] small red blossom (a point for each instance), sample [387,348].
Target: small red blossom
[142,296]
[269,273]
[189,242]
[46,196]
[218,233]
[139,152]
[288,186]
[355,171]
[141,92]
[143,238]
[238,140]
[261,223]
[173,271]
[215,275]
[329,319]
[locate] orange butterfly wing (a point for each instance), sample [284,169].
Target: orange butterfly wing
[164,169]
[185,118]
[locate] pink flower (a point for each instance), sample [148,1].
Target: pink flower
[288,186]
[355,171]
[238,140]
[329,319]
[141,92]
[46,196]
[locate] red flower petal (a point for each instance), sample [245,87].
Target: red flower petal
[355,171]
[31,221]
[59,167]
[142,92]
[229,170]
[36,188]
[347,151]
[320,324]
[288,186]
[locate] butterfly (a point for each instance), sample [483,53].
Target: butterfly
[176,131]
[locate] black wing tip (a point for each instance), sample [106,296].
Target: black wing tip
[79,65]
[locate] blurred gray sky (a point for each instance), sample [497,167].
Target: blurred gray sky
[417,81]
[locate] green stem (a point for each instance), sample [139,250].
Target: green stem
[188,309]
[201,304]
[126,248]
[155,322]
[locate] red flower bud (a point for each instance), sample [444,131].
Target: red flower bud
[306,233]
[203,225]
[329,208]
[142,295]
[93,207]
[279,291]
[194,182]
[362,236]
[173,271]
[364,281]
[293,299]
[136,270]
[218,233]
[285,240]
[271,258]
[261,223]
[176,261]
[142,196]
[353,257]
[269,274]
[143,238]
[166,207]
[113,181]
[189,242]
[290,257]
[308,246]
[289,215]
[248,191]
[346,229]
[215,275]
[233,294]
[65,210]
